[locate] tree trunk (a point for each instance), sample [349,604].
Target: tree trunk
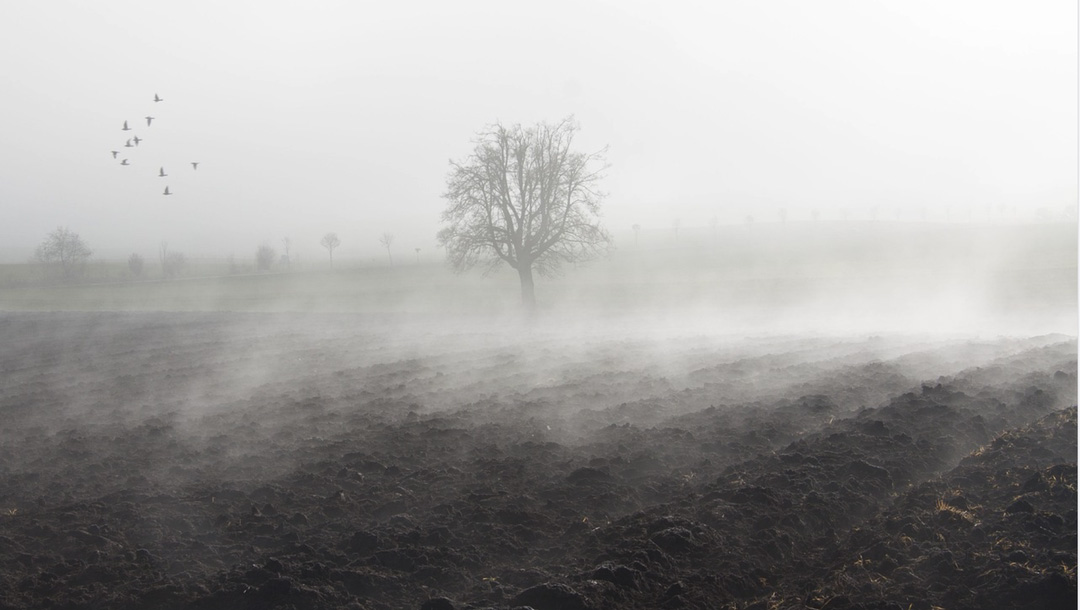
[528,295]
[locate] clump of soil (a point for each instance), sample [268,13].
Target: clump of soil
[227,461]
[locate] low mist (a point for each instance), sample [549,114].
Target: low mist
[497,305]
[797,278]
[236,429]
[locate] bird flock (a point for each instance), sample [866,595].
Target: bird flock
[134,140]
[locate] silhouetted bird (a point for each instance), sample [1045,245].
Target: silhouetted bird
[161,173]
[157,99]
[124,162]
[114,153]
[128,145]
[148,119]
[166,191]
[125,128]
[137,140]
[194,165]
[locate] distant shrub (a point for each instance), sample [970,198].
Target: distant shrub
[264,257]
[135,264]
[173,264]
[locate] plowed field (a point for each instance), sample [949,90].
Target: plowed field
[216,460]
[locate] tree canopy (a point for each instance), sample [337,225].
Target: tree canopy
[524,198]
[330,241]
[63,248]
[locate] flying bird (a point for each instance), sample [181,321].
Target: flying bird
[125,128]
[161,173]
[157,99]
[137,140]
[128,145]
[166,191]
[114,153]
[148,119]
[124,162]
[194,165]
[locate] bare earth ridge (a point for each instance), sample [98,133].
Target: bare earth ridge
[217,460]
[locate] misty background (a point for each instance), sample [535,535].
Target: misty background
[309,118]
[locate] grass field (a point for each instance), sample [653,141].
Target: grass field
[778,278]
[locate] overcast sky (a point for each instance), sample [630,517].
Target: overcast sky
[308,117]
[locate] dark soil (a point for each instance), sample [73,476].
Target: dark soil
[273,461]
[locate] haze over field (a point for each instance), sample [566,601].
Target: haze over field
[342,116]
[270,336]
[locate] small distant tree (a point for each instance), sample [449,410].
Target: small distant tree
[330,241]
[264,257]
[174,263]
[418,256]
[286,258]
[386,239]
[64,250]
[637,231]
[135,264]
[815,214]
[675,224]
[782,213]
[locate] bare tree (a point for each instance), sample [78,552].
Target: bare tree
[524,198]
[386,239]
[675,224]
[782,213]
[64,249]
[418,256]
[286,242]
[637,231]
[172,263]
[163,253]
[330,241]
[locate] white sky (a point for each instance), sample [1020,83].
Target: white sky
[310,117]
